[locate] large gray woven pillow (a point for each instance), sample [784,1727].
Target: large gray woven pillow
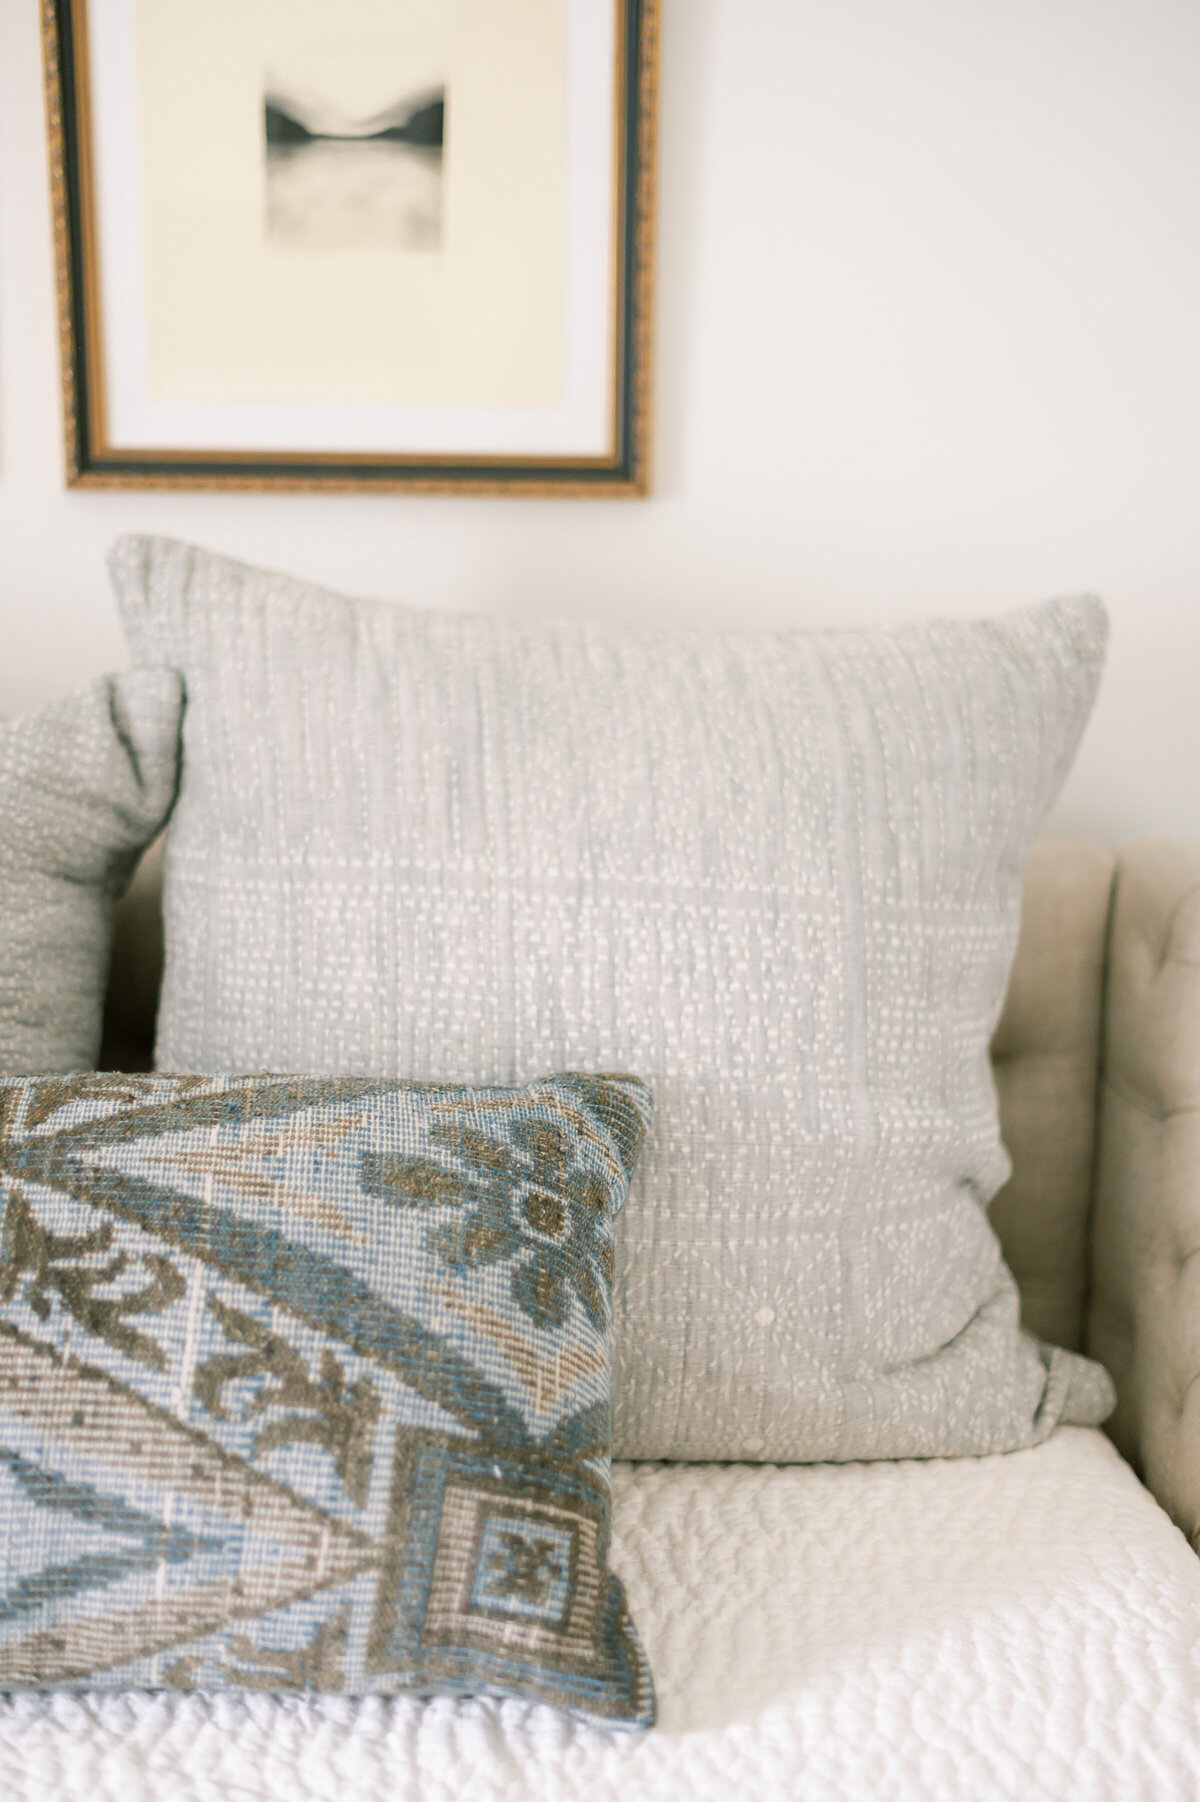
[776,874]
[85,783]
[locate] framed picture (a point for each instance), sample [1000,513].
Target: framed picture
[383,244]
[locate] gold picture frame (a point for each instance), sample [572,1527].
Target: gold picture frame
[597,445]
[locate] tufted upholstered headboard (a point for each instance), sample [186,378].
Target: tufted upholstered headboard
[1045,1057]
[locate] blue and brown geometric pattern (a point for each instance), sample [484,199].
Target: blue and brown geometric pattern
[304,1386]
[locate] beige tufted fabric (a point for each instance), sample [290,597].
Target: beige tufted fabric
[1108,963]
[1045,1055]
[1145,1314]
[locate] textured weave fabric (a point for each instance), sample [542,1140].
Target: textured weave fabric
[777,874]
[84,784]
[304,1385]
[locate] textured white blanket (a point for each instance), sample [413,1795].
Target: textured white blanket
[1023,1627]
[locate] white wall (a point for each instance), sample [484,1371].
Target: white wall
[928,340]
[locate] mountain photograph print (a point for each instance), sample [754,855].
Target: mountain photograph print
[336,177]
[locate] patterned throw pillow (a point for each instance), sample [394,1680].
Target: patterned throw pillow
[304,1385]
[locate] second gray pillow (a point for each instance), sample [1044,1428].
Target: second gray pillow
[85,783]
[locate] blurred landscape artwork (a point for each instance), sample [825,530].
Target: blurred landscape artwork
[335,180]
[378,245]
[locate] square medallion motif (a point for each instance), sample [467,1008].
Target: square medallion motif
[524,1568]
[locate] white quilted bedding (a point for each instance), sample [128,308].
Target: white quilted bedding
[1023,1627]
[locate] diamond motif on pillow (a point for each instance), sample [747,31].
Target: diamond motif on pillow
[276,1409]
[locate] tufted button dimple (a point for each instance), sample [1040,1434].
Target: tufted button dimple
[764,1316]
